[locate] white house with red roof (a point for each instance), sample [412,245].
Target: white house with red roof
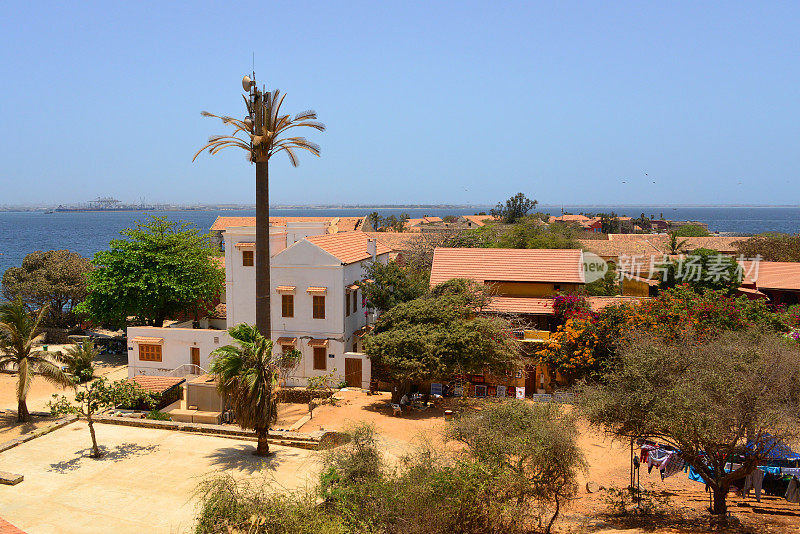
[317,306]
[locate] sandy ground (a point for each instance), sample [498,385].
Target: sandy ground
[146,482]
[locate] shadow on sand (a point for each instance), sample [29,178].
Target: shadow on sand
[241,458]
[113,454]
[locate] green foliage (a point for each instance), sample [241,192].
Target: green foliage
[691,230]
[771,247]
[608,285]
[526,232]
[392,284]
[161,269]
[18,331]
[535,445]
[676,246]
[79,359]
[705,397]
[514,208]
[158,416]
[229,504]
[644,502]
[247,375]
[703,269]
[438,335]
[55,278]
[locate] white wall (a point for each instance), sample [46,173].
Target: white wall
[175,351]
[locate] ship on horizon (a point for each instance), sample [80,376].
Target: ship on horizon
[108,204]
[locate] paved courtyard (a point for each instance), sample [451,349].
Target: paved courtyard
[145,482]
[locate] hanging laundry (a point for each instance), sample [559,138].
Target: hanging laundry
[793,491]
[754,481]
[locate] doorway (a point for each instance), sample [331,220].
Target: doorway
[352,372]
[196,356]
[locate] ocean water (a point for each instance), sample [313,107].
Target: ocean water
[89,232]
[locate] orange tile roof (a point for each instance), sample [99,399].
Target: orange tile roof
[286,340]
[348,247]
[317,342]
[481,220]
[317,289]
[342,224]
[285,288]
[220,311]
[522,305]
[508,265]
[570,218]
[245,244]
[649,244]
[772,274]
[397,241]
[598,303]
[156,384]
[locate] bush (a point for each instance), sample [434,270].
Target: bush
[158,416]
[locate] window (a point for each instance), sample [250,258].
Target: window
[556,287]
[319,307]
[287,305]
[347,304]
[355,300]
[355,346]
[247,258]
[319,358]
[149,353]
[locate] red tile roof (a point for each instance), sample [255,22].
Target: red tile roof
[397,241]
[772,274]
[157,384]
[348,247]
[342,224]
[507,265]
[570,218]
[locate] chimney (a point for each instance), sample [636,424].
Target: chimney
[372,248]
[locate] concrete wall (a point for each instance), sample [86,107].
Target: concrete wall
[176,349]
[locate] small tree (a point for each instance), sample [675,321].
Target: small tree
[536,444]
[691,230]
[54,278]
[392,283]
[711,399]
[676,246]
[514,208]
[438,335]
[247,376]
[163,268]
[96,396]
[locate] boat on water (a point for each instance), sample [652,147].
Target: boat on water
[107,204]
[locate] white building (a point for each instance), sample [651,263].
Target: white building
[317,306]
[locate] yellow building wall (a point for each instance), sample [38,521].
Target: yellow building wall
[530,289]
[635,288]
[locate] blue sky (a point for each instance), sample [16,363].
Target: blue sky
[425,102]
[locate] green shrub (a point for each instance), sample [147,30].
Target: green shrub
[158,416]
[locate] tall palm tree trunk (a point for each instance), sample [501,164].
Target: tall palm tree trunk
[23,416]
[262,251]
[263,442]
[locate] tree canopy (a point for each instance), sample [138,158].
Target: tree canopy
[514,208]
[392,283]
[439,335]
[771,247]
[703,269]
[691,230]
[712,399]
[56,278]
[161,269]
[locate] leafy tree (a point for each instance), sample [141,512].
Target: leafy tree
[771,247]
[536,444]
[514,208]
[374,219]
[392,284]
[702,270]
[79,358]
[56,278]
[608,285]
[438,335]
[163,268]
[735,395]
[247,375]
[610,223]
[18,331]
[691,230]
[96,396]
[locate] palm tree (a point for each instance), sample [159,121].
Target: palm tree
[18,331]
[263,134]
[79,358]
[247,376]
[676,246]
